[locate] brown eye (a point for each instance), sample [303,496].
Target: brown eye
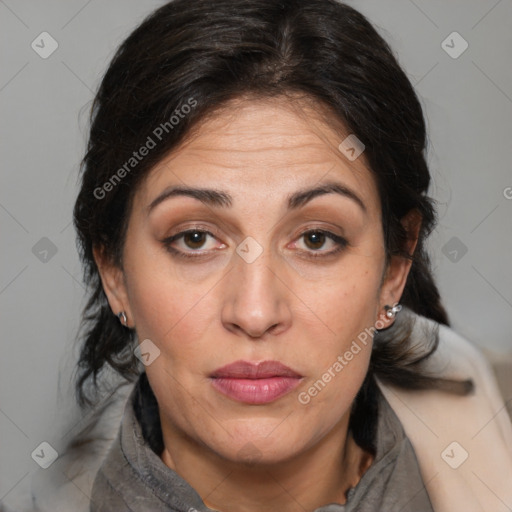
[317,243]
[314,239]
[194,239]
[192,243]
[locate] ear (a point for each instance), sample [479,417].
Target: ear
[398,268]
[112,280]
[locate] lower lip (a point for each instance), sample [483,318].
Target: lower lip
[255,391]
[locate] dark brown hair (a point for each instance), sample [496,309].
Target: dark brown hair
[206,53]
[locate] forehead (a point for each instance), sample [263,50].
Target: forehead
[263,148]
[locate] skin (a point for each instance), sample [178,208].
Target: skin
[286,305]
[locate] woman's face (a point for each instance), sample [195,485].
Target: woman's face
[283,261]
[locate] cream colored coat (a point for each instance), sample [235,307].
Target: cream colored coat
[463,444]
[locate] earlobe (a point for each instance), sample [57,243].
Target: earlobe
[112,280]
[386,317]
[391,311]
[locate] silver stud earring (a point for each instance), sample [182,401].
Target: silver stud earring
[391,311]
[122,318]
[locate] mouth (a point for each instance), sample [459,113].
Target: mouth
[255,383]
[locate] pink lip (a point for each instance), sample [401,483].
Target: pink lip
[254,383]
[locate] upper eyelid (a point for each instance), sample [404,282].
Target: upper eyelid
[183,232]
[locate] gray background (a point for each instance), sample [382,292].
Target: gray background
[44,105]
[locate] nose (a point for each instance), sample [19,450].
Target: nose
[256,298]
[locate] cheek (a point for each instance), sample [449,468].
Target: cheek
[340,362]
[163,304]
[163,310]
[348,302]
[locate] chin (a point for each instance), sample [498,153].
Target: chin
[258,449]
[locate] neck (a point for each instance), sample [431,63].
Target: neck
[320,475]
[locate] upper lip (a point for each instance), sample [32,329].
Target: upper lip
[252,370]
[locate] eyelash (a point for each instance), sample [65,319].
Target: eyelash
[341,243]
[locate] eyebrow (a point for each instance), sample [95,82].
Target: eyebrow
[217,198]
